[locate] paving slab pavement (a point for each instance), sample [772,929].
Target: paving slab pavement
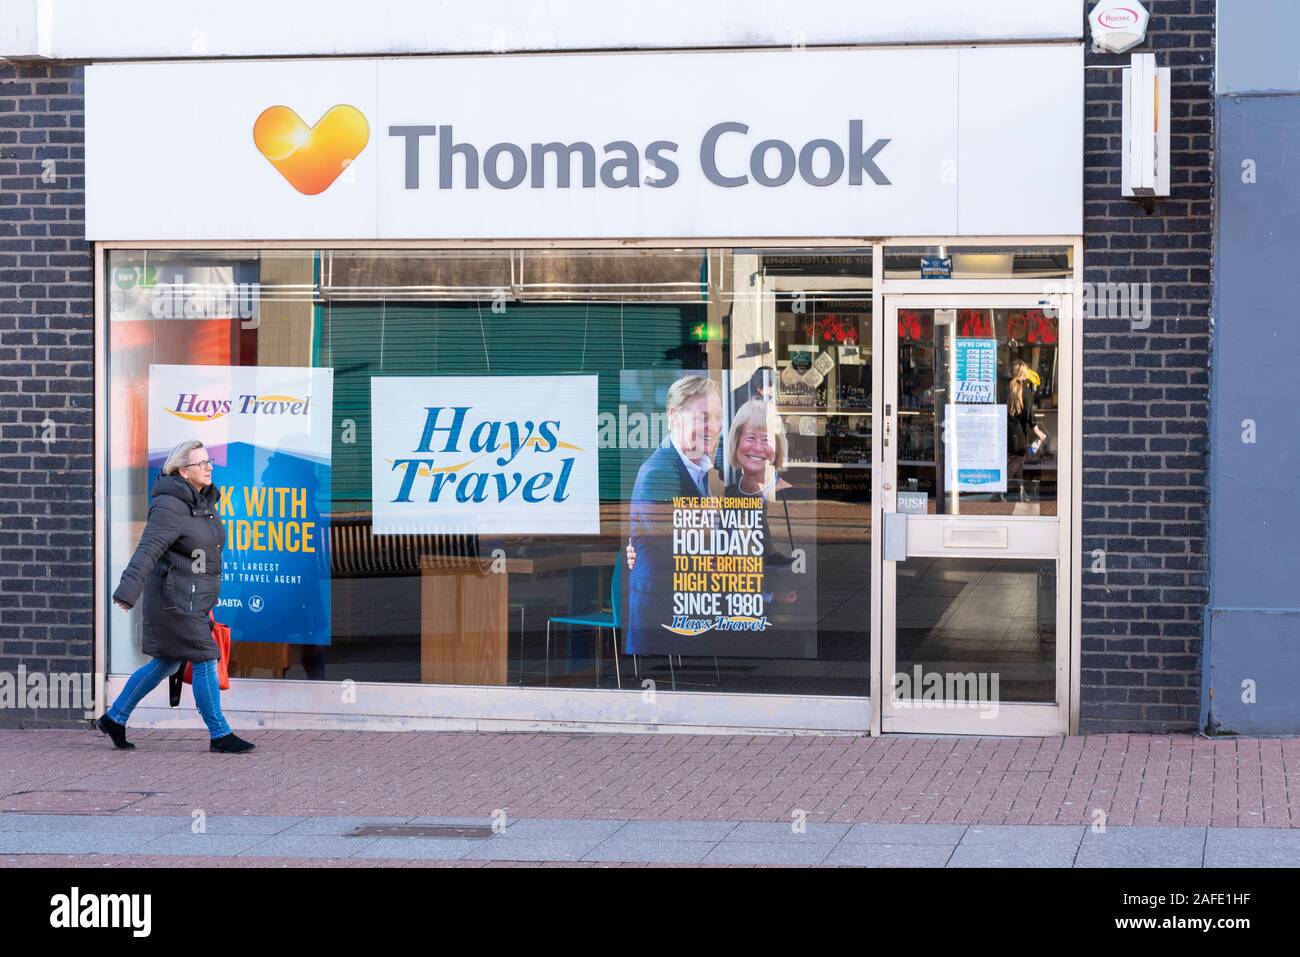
[26,838]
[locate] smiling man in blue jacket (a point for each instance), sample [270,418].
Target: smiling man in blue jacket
[681,466]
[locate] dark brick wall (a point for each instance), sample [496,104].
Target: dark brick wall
[47,356]
[1146,397]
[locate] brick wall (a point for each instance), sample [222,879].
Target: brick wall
[46,382]
[1146,397]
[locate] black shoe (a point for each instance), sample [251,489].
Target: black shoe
[231,744]
[115,731]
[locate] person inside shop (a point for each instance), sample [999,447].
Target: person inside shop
[761,385]
[1021,382]
[681,466]
[176,573]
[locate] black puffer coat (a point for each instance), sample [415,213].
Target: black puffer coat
[177,567]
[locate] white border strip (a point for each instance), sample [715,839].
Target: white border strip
[192,29]
[269,704]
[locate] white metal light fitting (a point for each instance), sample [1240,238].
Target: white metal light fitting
[1145,163]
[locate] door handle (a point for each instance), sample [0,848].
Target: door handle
[894,548]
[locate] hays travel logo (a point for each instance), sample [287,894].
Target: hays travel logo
[311,158]
[494,448]
[195,407]
[484,454]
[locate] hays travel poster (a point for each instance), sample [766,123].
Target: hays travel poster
[267,430]
[717,569]
[485,455]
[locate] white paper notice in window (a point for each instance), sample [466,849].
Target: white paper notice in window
[976,447]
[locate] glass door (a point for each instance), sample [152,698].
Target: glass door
[975,506]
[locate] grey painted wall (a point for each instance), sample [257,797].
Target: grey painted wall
[1256,45]
[1253,622]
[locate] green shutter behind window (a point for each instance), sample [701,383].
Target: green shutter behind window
[361,341]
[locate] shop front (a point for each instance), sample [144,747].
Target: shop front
[571,391]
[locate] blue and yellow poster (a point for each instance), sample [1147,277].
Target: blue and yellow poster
[716,565]
[267,429]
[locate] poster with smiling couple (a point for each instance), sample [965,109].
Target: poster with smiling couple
[717,566]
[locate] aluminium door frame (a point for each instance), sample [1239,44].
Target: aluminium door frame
[1011,718]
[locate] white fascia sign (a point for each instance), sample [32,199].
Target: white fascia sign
[746,144]
[1118,25]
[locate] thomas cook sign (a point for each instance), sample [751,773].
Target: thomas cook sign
[772,162]
[748,144]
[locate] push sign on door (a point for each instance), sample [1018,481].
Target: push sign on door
[913,503]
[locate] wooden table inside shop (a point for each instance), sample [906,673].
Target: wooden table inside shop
[463,613]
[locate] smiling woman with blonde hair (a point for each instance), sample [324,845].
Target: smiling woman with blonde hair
[756,449]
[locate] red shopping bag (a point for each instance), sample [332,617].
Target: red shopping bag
[222,635]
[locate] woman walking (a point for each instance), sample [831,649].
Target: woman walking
[177,569]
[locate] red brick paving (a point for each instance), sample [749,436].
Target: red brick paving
[1132,779]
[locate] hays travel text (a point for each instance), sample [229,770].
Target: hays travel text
[501,444]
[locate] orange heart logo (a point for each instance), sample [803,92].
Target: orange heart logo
[311,157]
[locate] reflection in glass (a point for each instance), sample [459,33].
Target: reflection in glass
[1011,397]
[994,619]
[790,329]
[979,262]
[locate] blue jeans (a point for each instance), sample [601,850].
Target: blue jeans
[207,693]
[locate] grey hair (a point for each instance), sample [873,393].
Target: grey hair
[178,456]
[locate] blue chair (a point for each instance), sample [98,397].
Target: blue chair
[600,620]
